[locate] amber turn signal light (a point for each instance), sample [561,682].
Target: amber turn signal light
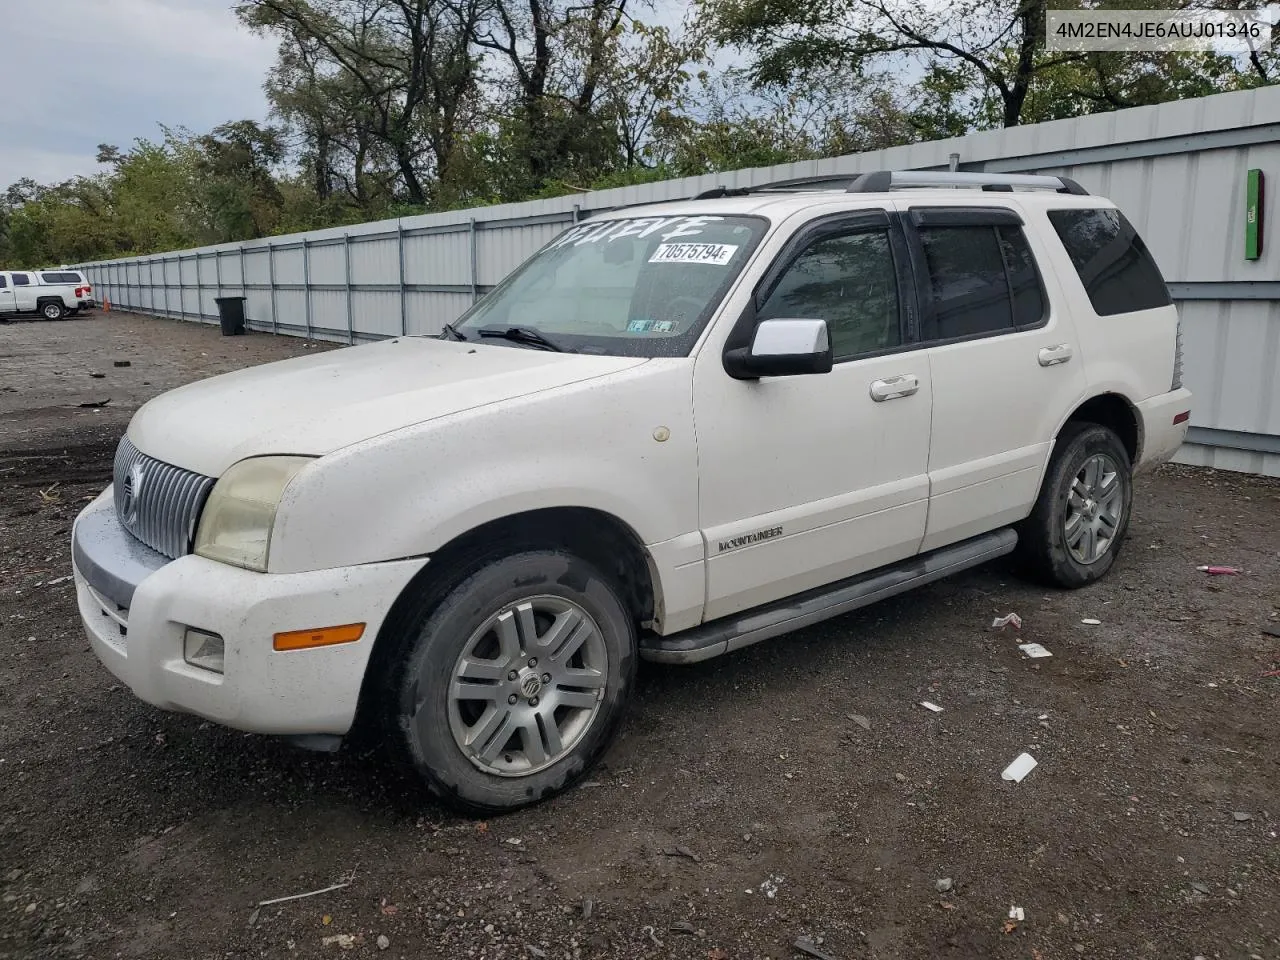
[318,637]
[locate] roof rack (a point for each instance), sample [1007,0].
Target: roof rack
[835,181]
[884,180]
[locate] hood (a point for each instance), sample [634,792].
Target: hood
[313,405]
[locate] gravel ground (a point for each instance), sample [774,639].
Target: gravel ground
[794,790]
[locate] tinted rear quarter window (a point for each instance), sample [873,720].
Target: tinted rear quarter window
[21,280]
[1117,270]
[60,277]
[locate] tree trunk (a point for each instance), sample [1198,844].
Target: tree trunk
[1031,19]
[412,183]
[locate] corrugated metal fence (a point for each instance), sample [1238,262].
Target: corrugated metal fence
[1177,170]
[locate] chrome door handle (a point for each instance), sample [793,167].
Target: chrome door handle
[1058,353]
[891,388]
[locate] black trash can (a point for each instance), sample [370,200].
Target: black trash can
[231,313]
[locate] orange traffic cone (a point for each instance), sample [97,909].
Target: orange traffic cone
[106,304]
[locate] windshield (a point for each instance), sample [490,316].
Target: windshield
[643,286]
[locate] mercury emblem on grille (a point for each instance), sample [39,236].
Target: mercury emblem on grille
[132,493]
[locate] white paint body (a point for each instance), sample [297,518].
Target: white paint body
[26,297]
[419,441]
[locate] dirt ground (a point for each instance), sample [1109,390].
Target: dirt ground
[743,807]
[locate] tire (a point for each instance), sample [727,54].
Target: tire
[466,740]
[52,310]
[1078,524]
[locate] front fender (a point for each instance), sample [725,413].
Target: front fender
[593,444]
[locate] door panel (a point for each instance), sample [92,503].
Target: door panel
[806,480]
[7,303]
[24,294]
[997,400]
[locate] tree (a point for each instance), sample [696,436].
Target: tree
[235,193]
[556,53]
[1002,41]
[411,61]
[985,61]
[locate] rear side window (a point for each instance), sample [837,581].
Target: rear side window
[61,277]
[983,280]
[4,282]
[21,280]
[1114,265]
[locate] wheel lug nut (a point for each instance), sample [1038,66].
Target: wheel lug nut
[533,661]
[533,701]
[512,699]
[512,675]
[546,678]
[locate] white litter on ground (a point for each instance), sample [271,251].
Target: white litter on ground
[1007,619]
[930,706]
[1019,768]
[1092,622]
[1034,650]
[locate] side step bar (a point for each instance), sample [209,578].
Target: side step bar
[741,630]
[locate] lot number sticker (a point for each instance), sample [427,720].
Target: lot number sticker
[718,254]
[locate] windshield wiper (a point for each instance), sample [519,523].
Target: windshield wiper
[527,335]
[449,330]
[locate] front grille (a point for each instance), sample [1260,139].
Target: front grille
[157,502]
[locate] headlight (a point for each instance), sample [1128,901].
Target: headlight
[235,526]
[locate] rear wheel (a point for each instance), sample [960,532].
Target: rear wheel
[52,310]
[510,687]
[1079,522]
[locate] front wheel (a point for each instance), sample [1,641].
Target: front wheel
[1079,522]
[52,310]
[513,685]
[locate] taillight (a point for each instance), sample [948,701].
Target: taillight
[79,291]
[1177,357]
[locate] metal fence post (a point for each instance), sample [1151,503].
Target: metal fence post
[306,281]
[404,316]
[182,293]
[151,283]
[199,292]
[244,286]
[471,236]
[577,212]
[271,279]
[164,275]
[217,275]
[346,267]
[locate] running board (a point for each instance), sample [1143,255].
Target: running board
[741,630]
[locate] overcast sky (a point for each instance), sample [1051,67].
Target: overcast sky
[77,73]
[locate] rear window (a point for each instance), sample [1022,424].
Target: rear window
[1114,265]
[20,280]
[61,278]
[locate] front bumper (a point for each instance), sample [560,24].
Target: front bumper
[137,605]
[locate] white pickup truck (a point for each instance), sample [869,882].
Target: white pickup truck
[24,291]
[675,431]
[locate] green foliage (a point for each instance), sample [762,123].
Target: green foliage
[387,108]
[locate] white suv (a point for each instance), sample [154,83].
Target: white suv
[675,431]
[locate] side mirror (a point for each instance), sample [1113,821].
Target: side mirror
[782,348]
